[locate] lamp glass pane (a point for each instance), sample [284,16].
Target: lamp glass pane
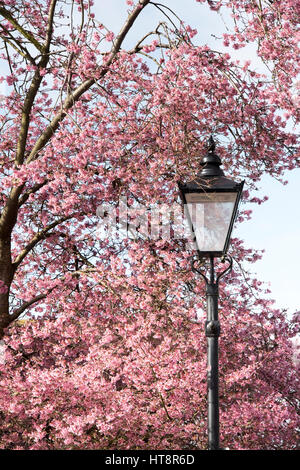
[210,214]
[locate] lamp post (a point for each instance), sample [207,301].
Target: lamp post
[212,201]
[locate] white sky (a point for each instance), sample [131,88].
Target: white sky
[275,227]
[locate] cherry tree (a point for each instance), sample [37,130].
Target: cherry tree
[84,123]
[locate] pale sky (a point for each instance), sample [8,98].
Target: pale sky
[275,227]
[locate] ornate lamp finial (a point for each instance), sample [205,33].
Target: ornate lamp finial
[211,144]
[211,162]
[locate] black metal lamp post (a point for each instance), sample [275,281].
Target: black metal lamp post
[212,201]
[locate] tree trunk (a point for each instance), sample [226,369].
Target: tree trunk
[6,276]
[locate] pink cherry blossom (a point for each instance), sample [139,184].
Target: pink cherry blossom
[111,352]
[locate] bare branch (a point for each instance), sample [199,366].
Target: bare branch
[7,15]
[15,44]
[50,26]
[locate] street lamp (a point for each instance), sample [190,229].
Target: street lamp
[212,202]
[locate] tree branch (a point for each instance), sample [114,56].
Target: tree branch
[36,239]
[33,89]
[27,304]
[73,97]
[32,190]
[18,46]
[46,46]
[7,15]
